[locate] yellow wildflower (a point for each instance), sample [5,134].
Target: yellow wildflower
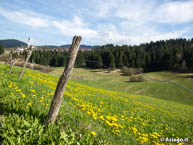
[102,118]
[29,104]
[32,90]
[116,132]
[93,133]
[134,130]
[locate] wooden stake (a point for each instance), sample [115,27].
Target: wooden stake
[13,62]
[24,65]
[59,92]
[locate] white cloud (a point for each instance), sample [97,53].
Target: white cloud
[24,18]
[138,12]
[145,11]
[110,34]
[174,12]
[74,27]
[103,8]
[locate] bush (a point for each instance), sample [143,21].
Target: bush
[138,78]
[131,71]
[41,68]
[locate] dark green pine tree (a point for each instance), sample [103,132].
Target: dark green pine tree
[100,61]
[120,59]
[2,49]
[111,61]
[80,60]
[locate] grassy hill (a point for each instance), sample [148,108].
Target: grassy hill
[88,115]
[116,82]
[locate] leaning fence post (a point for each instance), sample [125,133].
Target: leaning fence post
[59,92]
[24,65]
[10,58]
[13,62]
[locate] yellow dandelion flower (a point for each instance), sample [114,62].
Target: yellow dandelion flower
[116,132]
[134,130]
[93,133]
[88,112]
[29,104]
[23,95]
[102,118]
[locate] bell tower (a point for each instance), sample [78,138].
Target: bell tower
[28,43]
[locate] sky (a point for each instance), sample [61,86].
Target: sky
[99,22]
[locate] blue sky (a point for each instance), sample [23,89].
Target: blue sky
[97,21]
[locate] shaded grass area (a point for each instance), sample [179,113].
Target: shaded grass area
[116,82]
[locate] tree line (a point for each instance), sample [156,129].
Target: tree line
[55,58]
[173,54]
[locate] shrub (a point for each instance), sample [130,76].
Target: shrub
[131,71]
[138,78]
[41,68]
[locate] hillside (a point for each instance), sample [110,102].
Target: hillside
[88,115]
[9,43]
[99,78]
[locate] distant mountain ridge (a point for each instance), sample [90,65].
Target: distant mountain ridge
[13,43]
[10,43]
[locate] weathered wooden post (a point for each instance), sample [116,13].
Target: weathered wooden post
[24,65]
[13,62]
[59,92]
[10,58]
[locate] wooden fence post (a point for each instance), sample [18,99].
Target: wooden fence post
[24,65]
[10,58]
[59,92]
[13,62]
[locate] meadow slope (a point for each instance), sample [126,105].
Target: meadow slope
[88,115]
[117,82]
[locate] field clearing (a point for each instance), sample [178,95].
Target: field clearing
[88,115]
[116,82]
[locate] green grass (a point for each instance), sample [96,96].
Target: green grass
[88,115]
[116,82]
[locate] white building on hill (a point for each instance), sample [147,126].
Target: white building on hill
[19,49]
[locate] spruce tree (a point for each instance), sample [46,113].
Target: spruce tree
[1,49]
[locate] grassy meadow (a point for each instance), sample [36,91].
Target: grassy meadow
[98,108]
[116,82]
